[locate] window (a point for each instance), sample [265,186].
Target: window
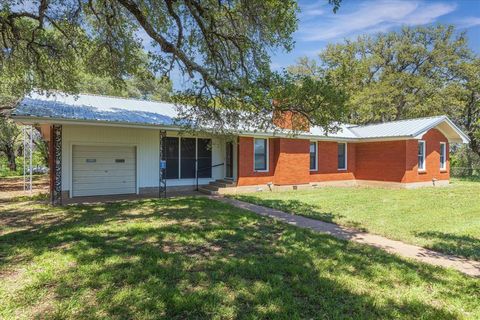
[313,156]
[260,154]
[443,156]
[342,156]
[421,155]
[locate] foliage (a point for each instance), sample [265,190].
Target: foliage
[195,258]
[9,137]
[443,219]
[141,85]
[222,47]
[417,72]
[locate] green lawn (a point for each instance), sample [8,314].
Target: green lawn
[444,219]
[192,258]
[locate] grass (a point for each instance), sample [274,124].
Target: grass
[443,219]
[194,258]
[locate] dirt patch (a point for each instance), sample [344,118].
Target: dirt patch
[13,187]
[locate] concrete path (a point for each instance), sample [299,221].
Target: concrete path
[469,267]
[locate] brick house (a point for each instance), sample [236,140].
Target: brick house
[104,145]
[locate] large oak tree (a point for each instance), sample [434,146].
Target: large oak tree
[223,46]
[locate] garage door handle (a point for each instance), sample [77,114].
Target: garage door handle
[106,171]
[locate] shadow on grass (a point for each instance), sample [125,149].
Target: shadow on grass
[196,258]
[465,246]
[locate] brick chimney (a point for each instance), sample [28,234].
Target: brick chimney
[290,120]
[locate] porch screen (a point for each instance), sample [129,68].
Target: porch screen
[171,156]
[187,156]
[204,153]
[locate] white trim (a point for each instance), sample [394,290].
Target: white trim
[299,135]
[316,155]
[267,151]
[424,151]
[346,157]
[443,166]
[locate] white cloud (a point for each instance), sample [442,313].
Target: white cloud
[312,10]
[468,22]
[374,16]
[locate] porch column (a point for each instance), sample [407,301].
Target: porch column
[55,163]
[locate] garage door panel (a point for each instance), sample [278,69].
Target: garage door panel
[110,173]
[103,185]
[104,167]
[103,175]
[104,156]
[102,148]
[112,191]
[100,180]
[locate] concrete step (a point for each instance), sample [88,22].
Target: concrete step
[207,191]
[222,184]
[228,182]
[210,187]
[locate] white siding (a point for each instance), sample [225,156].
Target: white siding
[146,142]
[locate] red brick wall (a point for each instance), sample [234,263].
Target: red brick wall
[381,161]
[393,161]
[293,161]
[432,159]
[327,166]
[246,175]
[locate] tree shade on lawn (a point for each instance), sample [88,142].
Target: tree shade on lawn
[196,258]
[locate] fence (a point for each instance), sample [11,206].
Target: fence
[465,172]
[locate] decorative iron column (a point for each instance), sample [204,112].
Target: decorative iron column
[162,170]
[56,167]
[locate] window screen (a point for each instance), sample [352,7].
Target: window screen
[187,156]
[171,156]
[260,150]
[421,155]
[313,156]
[443,155]
[204,158]
[342,156]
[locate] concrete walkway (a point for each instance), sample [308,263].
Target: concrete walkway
[469,267]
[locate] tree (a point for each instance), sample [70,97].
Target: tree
[9,135]
[465,88]
[419,71]
[142,85]
[395,75]
[222,46]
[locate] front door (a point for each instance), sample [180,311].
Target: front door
[229,160]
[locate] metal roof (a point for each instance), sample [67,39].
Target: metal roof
[95,108]
[405,128]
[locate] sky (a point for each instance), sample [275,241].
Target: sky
[318,25]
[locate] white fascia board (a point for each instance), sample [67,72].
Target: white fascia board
[35,120]
[463,137]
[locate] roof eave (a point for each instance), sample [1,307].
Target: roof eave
[463,137]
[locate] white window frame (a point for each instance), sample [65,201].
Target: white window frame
[346,156]
[316,155]
[443,166]
[424,144]
[267,151]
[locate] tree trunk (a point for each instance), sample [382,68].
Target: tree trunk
[12,164]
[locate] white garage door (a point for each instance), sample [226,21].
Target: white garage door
[103,170]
